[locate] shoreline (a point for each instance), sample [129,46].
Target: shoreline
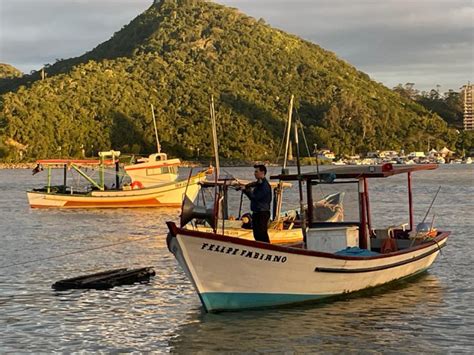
[184,164]
[17,166]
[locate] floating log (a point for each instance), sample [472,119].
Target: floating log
[106,279]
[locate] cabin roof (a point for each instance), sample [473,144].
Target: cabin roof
[73,161]
[355,172]
[236,182]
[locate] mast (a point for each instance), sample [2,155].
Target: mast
[279,190]
[158,146]
[300,185]
[217,197]
[290,112]
[214,137]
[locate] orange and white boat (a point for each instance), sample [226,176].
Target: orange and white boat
[153,183]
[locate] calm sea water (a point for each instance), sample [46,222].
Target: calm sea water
[432,314]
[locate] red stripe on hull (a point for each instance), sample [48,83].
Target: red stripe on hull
[142,203]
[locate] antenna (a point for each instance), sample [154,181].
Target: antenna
[158,146]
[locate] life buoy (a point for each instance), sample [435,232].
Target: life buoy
[137,185]
[246,221]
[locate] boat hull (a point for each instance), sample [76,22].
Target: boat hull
[165,195]
[233,274]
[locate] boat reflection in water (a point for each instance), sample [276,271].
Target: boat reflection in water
[386,318]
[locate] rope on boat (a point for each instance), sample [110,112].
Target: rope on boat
[79,251]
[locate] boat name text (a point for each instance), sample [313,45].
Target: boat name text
[243,253]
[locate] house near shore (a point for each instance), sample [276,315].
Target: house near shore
[326,154]
[388,154]
[374,154]
[445,152]
[416,155]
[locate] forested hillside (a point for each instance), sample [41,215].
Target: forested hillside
[8,71]
[175,56]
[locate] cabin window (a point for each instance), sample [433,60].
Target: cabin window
[154,171]
[335,202]
[162,170]
[389,202]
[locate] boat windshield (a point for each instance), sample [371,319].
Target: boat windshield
[335,202]
[162,170]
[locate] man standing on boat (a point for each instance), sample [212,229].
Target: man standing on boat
[260,194]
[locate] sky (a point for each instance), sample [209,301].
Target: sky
[426,42]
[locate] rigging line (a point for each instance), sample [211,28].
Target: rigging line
[281,142]
[78,252]
[431,205]
[304,136]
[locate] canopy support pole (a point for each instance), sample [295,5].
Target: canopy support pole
[410,201]
[363,243]
[367,208]
[48,188]
[85,176]
[65,176]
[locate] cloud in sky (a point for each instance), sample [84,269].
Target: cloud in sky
[427,42]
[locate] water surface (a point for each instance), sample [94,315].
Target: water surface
[433,313]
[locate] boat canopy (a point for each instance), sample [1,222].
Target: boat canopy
[47,162]
[357,172]
[237,182]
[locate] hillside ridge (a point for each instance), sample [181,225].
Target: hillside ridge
[175,55]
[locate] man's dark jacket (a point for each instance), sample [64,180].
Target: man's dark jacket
[260,197]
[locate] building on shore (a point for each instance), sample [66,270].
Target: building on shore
[467,94]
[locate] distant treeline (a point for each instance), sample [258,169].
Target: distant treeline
[175,56]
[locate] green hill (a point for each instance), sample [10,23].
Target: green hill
[8,71]
[176,55]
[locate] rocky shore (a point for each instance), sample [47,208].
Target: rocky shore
[17,165]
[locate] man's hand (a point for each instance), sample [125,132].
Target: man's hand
[240,186]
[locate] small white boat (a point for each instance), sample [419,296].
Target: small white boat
[154,183]
[335,259]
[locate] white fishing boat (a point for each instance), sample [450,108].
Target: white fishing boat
[335,258]
[152,184]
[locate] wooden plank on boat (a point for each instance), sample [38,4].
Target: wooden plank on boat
[106,279]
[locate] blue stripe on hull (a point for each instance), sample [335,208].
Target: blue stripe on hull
[222,301]
[228,301]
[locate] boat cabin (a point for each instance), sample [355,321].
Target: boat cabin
[355,231]
[154,170]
